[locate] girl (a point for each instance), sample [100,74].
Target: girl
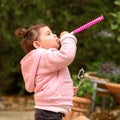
[45,70]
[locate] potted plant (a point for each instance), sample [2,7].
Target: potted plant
[112,73]
[85,87]
[82,100]
[108,74]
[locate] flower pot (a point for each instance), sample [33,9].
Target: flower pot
[98,83]
[114,88]
[81,104]
[80,108]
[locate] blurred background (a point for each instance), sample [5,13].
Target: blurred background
[97,45]
[97,48]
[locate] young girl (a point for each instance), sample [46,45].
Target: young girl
[45,70]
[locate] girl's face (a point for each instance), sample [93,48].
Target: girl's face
[47,39]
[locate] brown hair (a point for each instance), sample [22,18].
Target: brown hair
[28,36]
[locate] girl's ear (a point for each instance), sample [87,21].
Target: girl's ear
[36,44]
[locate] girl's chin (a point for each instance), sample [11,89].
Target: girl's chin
[57,46]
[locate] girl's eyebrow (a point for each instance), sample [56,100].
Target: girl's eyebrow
[47,32]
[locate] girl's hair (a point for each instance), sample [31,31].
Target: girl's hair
[28,36]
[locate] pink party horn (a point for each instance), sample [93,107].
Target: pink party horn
[87,25]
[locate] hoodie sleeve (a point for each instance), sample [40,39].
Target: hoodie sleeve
[53,60]
[29,68]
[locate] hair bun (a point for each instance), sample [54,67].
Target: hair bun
[20,32]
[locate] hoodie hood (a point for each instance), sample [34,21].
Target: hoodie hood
[29,66]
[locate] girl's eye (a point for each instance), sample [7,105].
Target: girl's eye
[48,33]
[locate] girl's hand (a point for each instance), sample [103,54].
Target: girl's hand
[62,33]
[75,89]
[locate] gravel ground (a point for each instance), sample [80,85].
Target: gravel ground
[16,115]
[25,115]
[22,108]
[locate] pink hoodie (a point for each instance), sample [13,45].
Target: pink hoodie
[45,73]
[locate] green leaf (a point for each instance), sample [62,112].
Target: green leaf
[117,2]
[114,26]
[118,38]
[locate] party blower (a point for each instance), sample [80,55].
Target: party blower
[87,25]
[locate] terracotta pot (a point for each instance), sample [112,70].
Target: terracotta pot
[80,107]
[81,104]
[93,75]
[101,83]
[114,88]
